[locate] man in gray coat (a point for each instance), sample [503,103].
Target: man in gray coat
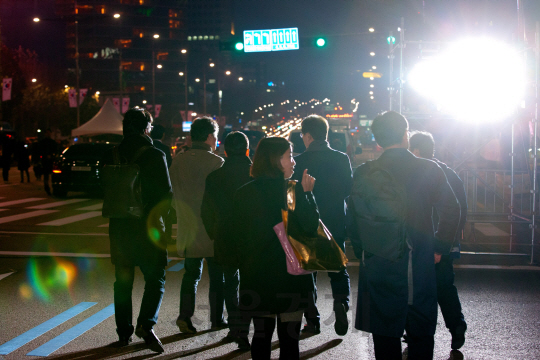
[188,176]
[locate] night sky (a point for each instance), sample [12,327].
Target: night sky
[334,71]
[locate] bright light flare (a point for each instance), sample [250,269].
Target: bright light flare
[475,79]
[36,19]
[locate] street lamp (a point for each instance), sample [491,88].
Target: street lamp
[197,79]
[227,72]
[240,79]
[183,51]
[116,16]
[36,19]
[34,80]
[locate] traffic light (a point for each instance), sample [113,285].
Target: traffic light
[320,42]
[232,45]
[391,40]
[239,46]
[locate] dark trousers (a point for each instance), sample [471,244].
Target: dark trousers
[27,175]
[447,295]
[341,290]
[188,291]
[46,185]
[231,288]
[154,278]
[389,348]
[288,335]
[5,172]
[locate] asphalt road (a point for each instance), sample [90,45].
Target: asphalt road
[56,293]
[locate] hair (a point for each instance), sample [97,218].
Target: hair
[423,141]
[136,121]
[202,127]
[316,126]
[236,143]
[157,132]
[267,158]
[388,128]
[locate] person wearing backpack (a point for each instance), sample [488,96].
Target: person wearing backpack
[422,145]
[391,230]
[332,169]
[137,238]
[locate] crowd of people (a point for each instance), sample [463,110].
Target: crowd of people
[226,210]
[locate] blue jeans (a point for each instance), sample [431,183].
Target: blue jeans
[447,295]
[216,295]
[154,288]
[341,291]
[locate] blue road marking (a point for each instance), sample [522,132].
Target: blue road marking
[41,329]
[71,334]
[177,267]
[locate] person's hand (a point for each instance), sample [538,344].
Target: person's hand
[308,181]
[437,258]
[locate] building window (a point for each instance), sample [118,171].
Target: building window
[123,43]
[162,55]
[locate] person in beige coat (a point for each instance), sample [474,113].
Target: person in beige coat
[188,176]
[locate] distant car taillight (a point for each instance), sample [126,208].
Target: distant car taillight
[56,169]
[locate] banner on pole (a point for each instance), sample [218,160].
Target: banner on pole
[116,103]
[6,89]
[82,95]
[125,105]
[72,98]
[157,110]
[148,107]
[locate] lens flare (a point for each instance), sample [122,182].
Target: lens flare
[45,278]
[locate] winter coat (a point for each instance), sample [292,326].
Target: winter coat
[457,186]
[393,293]
[188,177]
[217,205]
[23,157]
[265,286]
[333,174]
[166,150]
[130,240]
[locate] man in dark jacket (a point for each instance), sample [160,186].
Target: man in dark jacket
[157,134]
[401,294]
[217,217]
[422,145]
[131,244]
[332,169]
[48,149]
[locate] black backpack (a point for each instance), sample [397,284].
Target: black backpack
[380,210]
[122,187]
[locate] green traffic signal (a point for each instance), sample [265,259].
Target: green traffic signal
[391,40]
[320,42]
[239,46]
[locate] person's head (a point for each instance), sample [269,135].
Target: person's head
[390,129]
[236,144]
[421,144]
[137,121]
[205,129]
[314,127]
[157,132]
[273,158]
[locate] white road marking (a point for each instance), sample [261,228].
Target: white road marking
[92,207]
[31,214]
[21,201]
[490,230]
[2,276]
[58,203]
[72,219]
[104,225]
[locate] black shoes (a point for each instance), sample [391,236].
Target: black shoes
[219,325]
[124,341]
[312,329]
[341,326]
[185,326]
[458,337]
[150,339]
[241,340]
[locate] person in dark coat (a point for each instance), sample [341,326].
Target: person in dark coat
[422,145]
[131,242]
[23,160]
[216,213]
[332,169]
[7,153]
[157,134]
[267,290]
[394,296]
[48,149]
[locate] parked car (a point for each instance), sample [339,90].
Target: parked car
[77,168]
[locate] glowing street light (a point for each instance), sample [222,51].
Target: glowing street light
[156,36]
[97,92]
[372,53]
[144,101]
[240,79]
[159,66]
[181,73]
[212,64]
[183,51]
[116,16]
[36,19]
[197,80]
[374,67]
[371,85]
[371,29]
[227,72]
[34,80]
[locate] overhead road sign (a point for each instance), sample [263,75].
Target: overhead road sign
[370,74]
[271,40]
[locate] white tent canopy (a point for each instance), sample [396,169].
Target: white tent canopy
[106,121]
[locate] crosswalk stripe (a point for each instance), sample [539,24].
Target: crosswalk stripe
[56,204]
[104,225]
[41,329]
[72,219]
[73,333]
[21,201]
[177,267]
[3,276]
[92,207]
[30,214]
